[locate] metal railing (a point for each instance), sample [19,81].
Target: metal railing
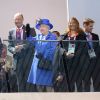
[83,72]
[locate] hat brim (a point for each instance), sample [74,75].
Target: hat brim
[50,25]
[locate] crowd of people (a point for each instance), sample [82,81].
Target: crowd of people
[49,61]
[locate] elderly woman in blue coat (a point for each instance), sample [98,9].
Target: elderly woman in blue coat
[41,73]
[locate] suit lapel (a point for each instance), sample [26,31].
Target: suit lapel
[14,34]
[24,33]
[78,44]
[93,38]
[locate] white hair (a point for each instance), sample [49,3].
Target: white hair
[18,14]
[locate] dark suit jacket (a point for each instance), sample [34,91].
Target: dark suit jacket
[86,66]
[73,62]
[58,69]
[90,68]
[79,67]
[95,36]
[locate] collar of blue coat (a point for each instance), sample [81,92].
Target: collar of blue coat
[47,36]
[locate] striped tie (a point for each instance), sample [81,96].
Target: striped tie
[18,34]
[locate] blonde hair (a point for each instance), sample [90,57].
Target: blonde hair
[79,30]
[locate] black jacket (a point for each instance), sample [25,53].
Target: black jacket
[58,69]
[72,64]
[90,67]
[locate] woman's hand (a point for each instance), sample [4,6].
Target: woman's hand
[18,48]
[69,55]
[59,78]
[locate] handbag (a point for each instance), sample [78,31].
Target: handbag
[45,64]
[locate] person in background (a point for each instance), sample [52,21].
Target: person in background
[5,65]
[41,73]
[72,52]
[92,49]
[57,34]
[17,37]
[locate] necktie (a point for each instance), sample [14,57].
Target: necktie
[89,36]
[89,39]
[18,34]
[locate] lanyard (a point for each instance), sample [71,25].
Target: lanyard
[71,46]
[72,37]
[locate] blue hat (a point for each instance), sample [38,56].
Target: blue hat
[44,21]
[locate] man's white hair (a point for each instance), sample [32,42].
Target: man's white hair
[18,14]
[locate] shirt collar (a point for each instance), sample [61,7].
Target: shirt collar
[87,33]
[20,27]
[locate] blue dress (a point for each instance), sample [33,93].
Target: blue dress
[41,76]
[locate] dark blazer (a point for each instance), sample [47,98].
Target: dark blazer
[80,67]
[92,69]
[81,36]
[58,69]
[95,36]
[87,67]
[71,66]
[95,44]
[68,67]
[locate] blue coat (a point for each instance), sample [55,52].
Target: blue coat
[41,76]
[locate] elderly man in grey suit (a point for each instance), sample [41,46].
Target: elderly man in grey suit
[18,47]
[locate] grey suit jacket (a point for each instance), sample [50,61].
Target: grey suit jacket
[12,38]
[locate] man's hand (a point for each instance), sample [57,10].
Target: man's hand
[18,48]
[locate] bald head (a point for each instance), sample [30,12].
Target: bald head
[18,19]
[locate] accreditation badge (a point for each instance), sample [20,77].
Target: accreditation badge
[91,53]
[71,48]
